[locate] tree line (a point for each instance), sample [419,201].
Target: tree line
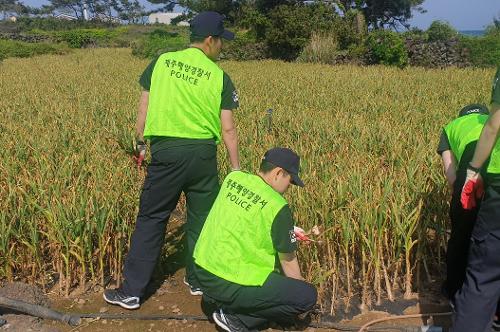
[376,13]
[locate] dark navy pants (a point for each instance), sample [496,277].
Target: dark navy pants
[280,299]
[191,169]
[462,224]
[476,302]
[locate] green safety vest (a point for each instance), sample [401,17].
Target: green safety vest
[494,166]
[235,243]
[463,131]
[467,129]
[185,96]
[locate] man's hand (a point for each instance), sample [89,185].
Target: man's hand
[140,152]
[472,190]
[300,234]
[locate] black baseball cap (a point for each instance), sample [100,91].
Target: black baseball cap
[286,159]
[210,24]
[473,109]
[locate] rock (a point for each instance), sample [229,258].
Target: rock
[103,310]
[161,307]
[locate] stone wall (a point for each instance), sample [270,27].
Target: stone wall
[438,54]
[24,37]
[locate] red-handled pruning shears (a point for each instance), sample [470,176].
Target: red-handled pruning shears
[301,235]
[139,159]
[139,153]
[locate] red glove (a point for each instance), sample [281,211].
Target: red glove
[472,191]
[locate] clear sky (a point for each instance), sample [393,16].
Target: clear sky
[462,14]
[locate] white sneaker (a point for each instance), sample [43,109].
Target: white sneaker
[196,291]
[115,296]
[227,322]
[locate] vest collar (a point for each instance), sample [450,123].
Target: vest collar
[199,49]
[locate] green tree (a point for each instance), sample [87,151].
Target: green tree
[387,47]
[231,9]
[251,18]
[130,10]
[441,31]
[290,28]
[494,28]
[166,5]
[10,7]
[40,11]
[264,6]
[73,7]
[224,7]
[380,14]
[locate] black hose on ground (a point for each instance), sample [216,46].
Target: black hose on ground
[143,317]
[322,325]
[74,319]
[39,311]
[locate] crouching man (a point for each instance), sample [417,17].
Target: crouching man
[249,225]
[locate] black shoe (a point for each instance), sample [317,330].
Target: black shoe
[192,289]
[496,325]
[115,296]
[228,322]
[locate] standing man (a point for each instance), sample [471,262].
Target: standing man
[250,226]
[186,103]
[456,147]
[477,300]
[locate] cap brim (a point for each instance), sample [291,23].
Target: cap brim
[296,180]
[228,35]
